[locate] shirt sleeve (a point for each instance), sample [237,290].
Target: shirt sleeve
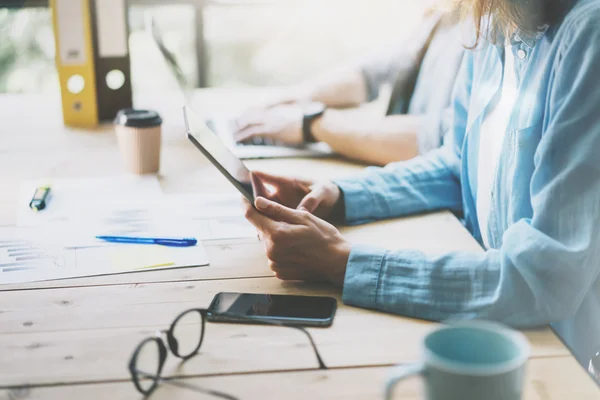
[546,264]
[385,67]
[427,183]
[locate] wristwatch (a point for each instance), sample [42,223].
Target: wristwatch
[312,111]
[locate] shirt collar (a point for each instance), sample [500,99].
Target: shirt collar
[529,39]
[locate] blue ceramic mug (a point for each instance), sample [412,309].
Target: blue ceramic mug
[469,361]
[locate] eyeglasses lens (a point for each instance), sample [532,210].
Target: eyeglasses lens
[147,364]
[187,332]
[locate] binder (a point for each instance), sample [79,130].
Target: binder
[111,57]
[75,62]
[92,59]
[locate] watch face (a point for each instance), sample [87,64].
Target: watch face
[314,108]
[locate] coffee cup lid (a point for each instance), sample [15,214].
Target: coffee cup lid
[138,118]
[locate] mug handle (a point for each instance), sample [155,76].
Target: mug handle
[401,372]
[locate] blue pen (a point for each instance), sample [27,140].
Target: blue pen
[171,242]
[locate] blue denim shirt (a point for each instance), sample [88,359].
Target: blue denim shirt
[543,264]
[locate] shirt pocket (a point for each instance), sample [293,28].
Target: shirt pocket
[526,137]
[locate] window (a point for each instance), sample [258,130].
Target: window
[243,43]
[26,51]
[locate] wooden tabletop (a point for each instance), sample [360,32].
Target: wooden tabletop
[73,338]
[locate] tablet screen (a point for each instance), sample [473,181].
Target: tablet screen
[218,153]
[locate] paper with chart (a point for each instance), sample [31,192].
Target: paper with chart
[59,241]
[132,206]
[220,216]
[168,216]
[19,254]
[68,195]
[28,255]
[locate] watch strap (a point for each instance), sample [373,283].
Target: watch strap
[307,121]
[307,135]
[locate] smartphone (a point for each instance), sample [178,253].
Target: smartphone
[292,310]
[218,154]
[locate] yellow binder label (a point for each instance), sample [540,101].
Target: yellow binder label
[75,62]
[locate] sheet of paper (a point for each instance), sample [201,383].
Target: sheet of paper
[220,215]
[81,209]
[28,255]
[69,195]
[204,217]
[59,242]
[18,253]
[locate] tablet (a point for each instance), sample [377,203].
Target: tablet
[218,154]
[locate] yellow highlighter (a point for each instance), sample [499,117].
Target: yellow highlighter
[40,198]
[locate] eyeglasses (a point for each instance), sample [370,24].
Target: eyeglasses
[149,357]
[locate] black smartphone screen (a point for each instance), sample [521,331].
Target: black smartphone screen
[304,310]
[218,154]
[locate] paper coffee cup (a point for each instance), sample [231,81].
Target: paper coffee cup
[139,138]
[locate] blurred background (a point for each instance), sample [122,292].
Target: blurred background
[217,43]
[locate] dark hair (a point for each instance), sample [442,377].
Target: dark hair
[531,16]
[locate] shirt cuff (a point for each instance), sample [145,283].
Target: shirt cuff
[363,270]
[357,199]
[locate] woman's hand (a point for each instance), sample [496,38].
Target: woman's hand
[299,245]
[316,198]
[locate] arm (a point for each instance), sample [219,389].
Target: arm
[350,134]
[339,88]
[546,264]
[355,84]
[426,183]
[369,138]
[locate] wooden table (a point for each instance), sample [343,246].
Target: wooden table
[73,338]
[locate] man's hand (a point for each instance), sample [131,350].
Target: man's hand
[279,123]
[316,198]
[299,245]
